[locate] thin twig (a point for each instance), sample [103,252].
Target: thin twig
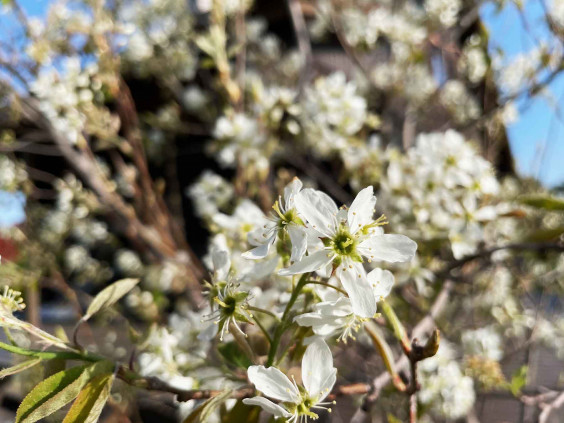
[549,408]
[241,60]
[304,43]
[156,384]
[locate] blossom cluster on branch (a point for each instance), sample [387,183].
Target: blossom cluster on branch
[266,221]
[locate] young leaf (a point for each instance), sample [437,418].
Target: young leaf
[20,367]
[234,356]
[242,413]
[90,402]
[518,380]
[109,296]
[545,202]
[203,412]
[392,418]
[57,391]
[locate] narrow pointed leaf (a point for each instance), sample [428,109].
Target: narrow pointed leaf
[109,296]
[57,391]
[20,367]
[546,202]
[204,411]
[90,402]
[242,413]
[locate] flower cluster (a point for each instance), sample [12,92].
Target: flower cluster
[444,386]
[442,186]
[333,113]
[386,102]
[66,98]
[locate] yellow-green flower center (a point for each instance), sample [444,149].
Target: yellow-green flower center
[344,244]
[285,218]
[303,407]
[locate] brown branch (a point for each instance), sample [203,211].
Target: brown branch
[241,59]
[302,38]
[549,408]
[323,178]
[349,50]
[527,246]
[125,216]
[32,148]
[428,322]
[151,383]
[424,326]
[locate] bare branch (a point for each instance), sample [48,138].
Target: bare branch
[304,43]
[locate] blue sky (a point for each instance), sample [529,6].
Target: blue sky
[12,208]
[537,137]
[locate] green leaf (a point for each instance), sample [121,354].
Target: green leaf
[234,356]
[242,413]
[57,391]
[392,418]
[204,411]
[20,367]
[109,296]
[543,235]
[55,365]
[545,202]
[90,402]
[518,380]
[47,355]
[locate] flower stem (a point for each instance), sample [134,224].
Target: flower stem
[284,324]
[263,329]
[397,326]
[242,342]
[386,354]
[328,285]
[9,336]
[262,310]
[48,355]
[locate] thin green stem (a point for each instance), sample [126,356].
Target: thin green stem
[263,329]
[386,354]
[328,285]
[10,337]
[262,310]
[287,348]
[284,324]
[241,340]
[64,355]
[397,327]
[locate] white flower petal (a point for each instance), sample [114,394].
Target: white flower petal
[208,333]
[321,325]
[382,282]
[267,406]
[310,263]
[298,237]
[260,269]
[290,191]
[388,247]
[273,383]
[221,264]
[360,291]
[262,250]
[361,210]
[327,384]
[340,308]
[318,209]
[485,214]
[317,368]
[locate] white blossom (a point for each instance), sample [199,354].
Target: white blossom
[343,239]
[297,404]
[284,220]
